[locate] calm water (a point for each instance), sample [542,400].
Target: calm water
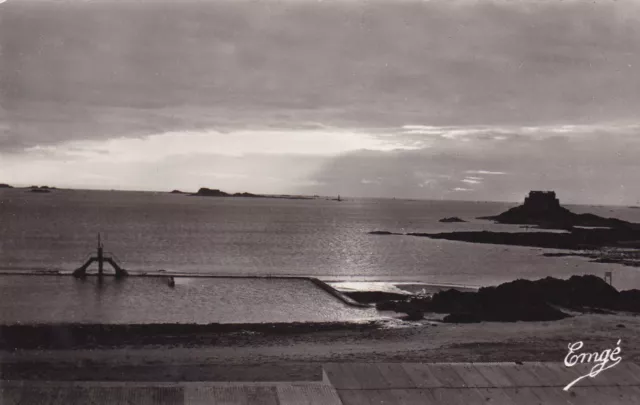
[60,299]
[235,236]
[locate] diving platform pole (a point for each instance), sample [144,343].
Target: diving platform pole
[100,258]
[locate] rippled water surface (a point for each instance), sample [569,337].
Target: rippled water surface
[242,236]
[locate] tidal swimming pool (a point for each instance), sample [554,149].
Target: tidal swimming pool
[30,299]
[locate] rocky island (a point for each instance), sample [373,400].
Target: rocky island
[208,192]
[543,209]
[452,220]
[41,189]
[577,231]
[4,185]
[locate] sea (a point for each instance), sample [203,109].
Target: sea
[323,238]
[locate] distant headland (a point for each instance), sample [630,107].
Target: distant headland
[41,189]
[208,192]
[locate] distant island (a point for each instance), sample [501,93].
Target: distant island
[208,192]
[452,220]
[41,189]
[4,185]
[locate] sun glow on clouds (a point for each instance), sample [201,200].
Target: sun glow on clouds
[237,143]
[503,132]
[268,161]
[483,172]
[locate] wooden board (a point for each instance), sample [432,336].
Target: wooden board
[412,396]
[521,376]
[395,375]
[308,395]
[421,375]
[495,396]
[368,376]
[341,376]
[446,374]
[354,397]
[470,375]
[494,375]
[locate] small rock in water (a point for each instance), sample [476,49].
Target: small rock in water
[452,219]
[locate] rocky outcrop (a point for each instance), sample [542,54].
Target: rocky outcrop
[452,219]
[43,189]
[461,318]
[383,233]
[208,192]
[524,300]
[629,301]
[577,238]
[176,192]
[245,194]
[544,210]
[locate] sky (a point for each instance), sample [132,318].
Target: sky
[439,99]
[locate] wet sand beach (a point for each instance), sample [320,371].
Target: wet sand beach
[289,357]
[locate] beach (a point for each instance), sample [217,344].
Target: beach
[292,357]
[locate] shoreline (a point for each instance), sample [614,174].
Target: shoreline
[81,336]
[270,357]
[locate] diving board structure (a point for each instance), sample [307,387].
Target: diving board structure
[101,259]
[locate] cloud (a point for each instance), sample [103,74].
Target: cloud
[368,181]
[75,70]
[484,172]
[234,143]
[506,132]
[587,168]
